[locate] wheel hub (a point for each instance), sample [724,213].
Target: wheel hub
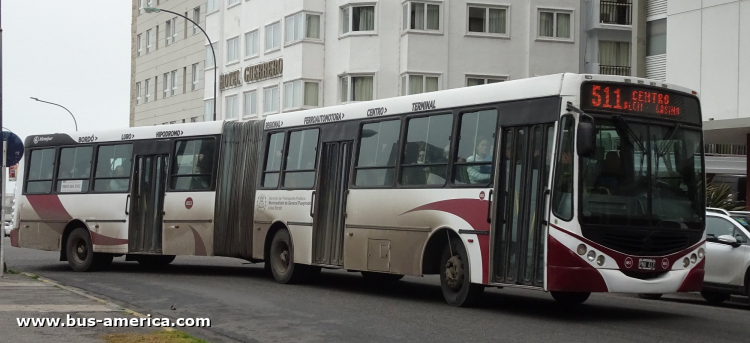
[284,258]
[81,250]
[454,273]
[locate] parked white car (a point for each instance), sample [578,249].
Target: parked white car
[6,227]
[727,258]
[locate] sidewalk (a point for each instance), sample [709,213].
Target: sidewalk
[22,296]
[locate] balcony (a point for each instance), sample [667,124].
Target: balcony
[614,70]
[617,13]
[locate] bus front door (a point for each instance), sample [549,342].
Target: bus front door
[518,225]
[147,204]
[330,203]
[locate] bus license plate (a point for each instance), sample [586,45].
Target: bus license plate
[646,263]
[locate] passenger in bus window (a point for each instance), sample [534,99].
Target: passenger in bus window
[119,185]
[480,173]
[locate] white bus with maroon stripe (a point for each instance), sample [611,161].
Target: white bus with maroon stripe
[566,183]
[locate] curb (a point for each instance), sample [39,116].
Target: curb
[88,296]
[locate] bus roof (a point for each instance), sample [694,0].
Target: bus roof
[529,88]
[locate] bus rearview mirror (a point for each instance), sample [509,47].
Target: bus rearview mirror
[586,141]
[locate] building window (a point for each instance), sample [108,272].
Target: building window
[490,20]
[138,93]
[156,41]
[555,24]
[156,88]
[273,36]
[174,29]
[197,16]
[232,2]
[416,84]
[168,33]
[251,44]
[173,81]
[656,36]
[357,19]
[614,58]
[140,6]
[295,97]
[301,26]
[233,50]
[208,113]
[421,16]
[148,90]
[139,42]
[271,100]
[356,88]
[209,57]
[195,77]
[251,104]
[165,82]
[148,41]
[481,80]
[232,105]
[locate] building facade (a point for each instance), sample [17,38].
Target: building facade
[606,37]
[279,56]
[168,62]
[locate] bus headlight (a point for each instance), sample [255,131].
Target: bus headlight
[600,260]
[686,262]
[701,253]
[591,255]
[693,258]
[582,249]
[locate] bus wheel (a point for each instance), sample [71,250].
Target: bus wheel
[455,278]
[655,296]
[381,277]
[80,251]
[571,298]
[282,260]
[714,297]
[155,260]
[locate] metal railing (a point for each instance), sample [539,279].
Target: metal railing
[614,70]
[725,149]
[613,12]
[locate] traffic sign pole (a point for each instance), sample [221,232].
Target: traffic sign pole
[2,213]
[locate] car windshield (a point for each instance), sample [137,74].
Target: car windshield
[643,174]
[742,219]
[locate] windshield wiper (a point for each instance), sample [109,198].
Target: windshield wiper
[670,140]
[625,125]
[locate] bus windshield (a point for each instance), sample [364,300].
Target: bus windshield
[647,175]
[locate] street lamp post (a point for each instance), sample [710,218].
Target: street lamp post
[52,103]
[216,68]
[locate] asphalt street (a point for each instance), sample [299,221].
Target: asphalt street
[244,304]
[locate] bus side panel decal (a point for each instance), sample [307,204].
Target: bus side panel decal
[200,248]
[474,212]
[568,272]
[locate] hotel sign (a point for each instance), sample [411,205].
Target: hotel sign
[254,73]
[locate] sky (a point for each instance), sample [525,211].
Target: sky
[78,57]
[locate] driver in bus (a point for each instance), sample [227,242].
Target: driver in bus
[609,179]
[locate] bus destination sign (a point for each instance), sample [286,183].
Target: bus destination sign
[645,101]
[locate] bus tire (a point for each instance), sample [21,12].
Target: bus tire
[715,297]
[650,296]
[570,298]
[455,276]
[155,260]
[381,277]
[80,251]
[281,258]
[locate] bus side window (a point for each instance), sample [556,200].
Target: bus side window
[299,170]
[273,160]
[425,158]
[74,169]
[42,164]
[474,156]
[378,148]
[113,168]
[562,192]
[193,165]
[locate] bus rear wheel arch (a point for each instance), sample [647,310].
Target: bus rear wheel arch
[80,253]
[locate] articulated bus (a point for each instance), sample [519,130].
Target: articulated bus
[568,183]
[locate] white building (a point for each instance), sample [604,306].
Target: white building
[606,37]
[167,63]
[287,55]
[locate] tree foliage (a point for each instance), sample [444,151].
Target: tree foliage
[720,195]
